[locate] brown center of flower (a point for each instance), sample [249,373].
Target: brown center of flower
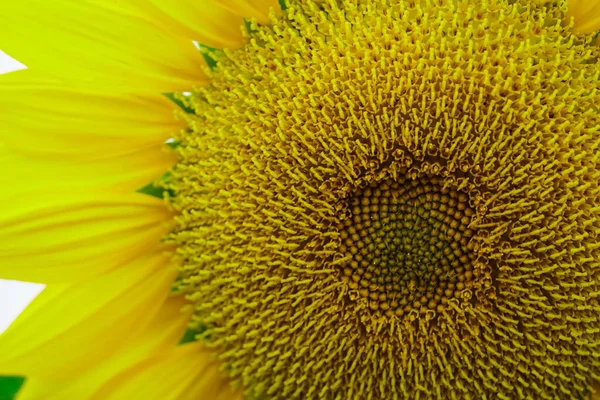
[408,245]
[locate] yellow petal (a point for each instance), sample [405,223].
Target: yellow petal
[100,44]
[215,23]
[130,170]
[42,116]
[54,234]
[82,136]
[70,327]
[187,372]
[586,14]
[258,9]
[207,22]
[164,331]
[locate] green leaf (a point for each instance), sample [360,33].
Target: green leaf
[209,54]
[177,98]
[174,144]
[156,191]
[191,335]
[9,386]
[249,26]
[283,5]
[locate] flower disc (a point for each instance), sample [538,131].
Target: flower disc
[397,200]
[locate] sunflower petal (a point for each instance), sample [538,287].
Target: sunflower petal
[98,44]
[207,22]
[187,372]
[129,170]
[586,14]
[83,136]
[215,23]
[72,326]
[62,235]
[80,124]
[258,9]
[161,335]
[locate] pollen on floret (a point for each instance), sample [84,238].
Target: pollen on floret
[392,200]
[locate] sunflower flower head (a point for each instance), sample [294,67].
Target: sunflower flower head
[374,199]
[397,200]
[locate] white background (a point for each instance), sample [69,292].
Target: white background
[14,296]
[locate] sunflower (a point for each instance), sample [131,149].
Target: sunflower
[338,199]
